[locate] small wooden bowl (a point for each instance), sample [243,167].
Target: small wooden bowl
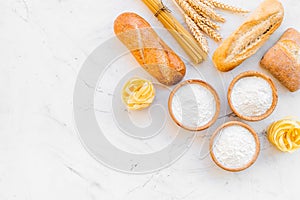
[274,95]
[212,140]
[207,86]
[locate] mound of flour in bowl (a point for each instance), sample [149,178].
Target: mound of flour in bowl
[193,105]
[251,96]
[234,146]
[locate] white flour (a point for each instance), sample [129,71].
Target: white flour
[251,96]
[234,146]
[193,105]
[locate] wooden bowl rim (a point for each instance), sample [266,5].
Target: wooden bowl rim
[274,95]
[231,123]
[207,86]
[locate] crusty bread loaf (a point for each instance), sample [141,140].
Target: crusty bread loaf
[148,49]
[283,59]
[250,36]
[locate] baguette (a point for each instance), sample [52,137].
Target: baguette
[283,60]
[148,49]
[250,36]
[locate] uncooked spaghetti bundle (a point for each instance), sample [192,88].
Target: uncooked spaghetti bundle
[183,37]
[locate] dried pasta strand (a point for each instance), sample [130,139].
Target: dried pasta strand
[190,11]
[227,7]
[205,10]
[197,33]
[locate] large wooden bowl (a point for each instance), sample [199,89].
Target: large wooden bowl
[274,95]
[215,134]
[207,86]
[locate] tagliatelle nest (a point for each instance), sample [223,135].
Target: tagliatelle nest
[285,134]
[138,94]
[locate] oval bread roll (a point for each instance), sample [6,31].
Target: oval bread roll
[148,49]
[250,36]
[283,60]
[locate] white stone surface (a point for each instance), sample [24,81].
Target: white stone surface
[43,45]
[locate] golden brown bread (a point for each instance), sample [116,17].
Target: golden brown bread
[148,49]
[250,36]
[283,59]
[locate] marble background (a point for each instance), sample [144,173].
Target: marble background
[43,45]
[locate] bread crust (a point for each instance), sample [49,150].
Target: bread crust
[155,56]
[250,36]
[283,60]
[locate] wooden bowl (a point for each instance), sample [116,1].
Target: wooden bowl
[231,123]
[207,86]
[274,95]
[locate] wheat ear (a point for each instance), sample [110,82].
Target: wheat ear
[203,9]
[190,11]
[207,3]
[227,7]
[209,31]
[197,33]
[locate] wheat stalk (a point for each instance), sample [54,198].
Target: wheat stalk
[205,10]
[196,33]
[209,31]
[190,11]
[224,6]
